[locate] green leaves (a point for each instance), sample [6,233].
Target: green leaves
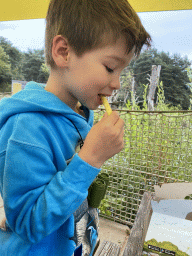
[5,70]
[32,64]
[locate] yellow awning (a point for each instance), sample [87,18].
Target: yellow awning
[36,9]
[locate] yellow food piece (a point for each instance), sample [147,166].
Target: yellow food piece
[106,105]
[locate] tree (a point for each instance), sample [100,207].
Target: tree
[5,70]
[29,66]
[173,75]
[33,60]
[43,73]
[15,58]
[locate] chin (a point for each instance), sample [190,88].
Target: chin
[92,106]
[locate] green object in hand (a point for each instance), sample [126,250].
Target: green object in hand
[97,190]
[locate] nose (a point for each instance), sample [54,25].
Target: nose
[115,83]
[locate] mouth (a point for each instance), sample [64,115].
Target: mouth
[105,95]
[100,99]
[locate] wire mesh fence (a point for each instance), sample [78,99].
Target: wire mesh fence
[158,149]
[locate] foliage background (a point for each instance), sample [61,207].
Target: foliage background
[158,149]
[17,65]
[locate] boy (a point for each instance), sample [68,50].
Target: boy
[43,181]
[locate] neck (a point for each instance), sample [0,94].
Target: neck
[59,89]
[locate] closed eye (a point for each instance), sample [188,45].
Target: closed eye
[109,69]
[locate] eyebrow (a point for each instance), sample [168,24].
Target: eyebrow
[117,58]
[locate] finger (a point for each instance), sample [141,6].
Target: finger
[120,124]
[105,115]
[113,118]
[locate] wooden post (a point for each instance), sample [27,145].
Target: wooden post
[154,79]
[138,233]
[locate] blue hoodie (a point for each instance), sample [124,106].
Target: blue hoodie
[40,190]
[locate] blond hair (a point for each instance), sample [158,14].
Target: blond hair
[84,22]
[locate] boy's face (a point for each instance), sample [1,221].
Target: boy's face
[95,73]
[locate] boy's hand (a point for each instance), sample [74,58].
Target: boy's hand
[104,140]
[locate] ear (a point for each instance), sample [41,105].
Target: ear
[60,49]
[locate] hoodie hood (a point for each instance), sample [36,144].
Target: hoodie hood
[34,98]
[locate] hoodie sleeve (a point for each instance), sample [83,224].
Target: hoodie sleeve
[38,198]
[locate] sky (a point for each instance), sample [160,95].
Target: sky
[171,31]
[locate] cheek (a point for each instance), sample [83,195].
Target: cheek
[95,84]
[92,78]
